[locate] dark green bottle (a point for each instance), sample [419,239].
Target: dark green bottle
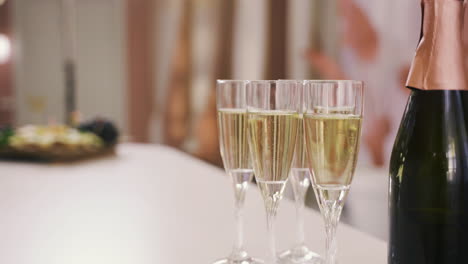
[429,164]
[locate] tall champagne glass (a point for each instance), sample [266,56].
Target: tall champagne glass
[332,124]
[299,179]
[232,126]
[273,122]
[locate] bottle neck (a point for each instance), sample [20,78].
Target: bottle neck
[439,61]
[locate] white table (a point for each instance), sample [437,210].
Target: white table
[147,205]
[367,202]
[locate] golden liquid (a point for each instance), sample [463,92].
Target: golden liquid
[299,160]
[232,124]
[272,139]
[332,143]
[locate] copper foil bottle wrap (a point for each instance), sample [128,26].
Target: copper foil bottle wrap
[439,63]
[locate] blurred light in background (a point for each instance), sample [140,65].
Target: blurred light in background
[2,2]
[5,46]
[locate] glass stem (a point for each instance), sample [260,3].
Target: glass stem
[238,218]
[332,217]
[240,180]
[331,245]
[271,229]
[300,204]
[300,181]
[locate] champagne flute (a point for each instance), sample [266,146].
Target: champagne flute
[232,126]
[332,126]
[299,178]
[273,124]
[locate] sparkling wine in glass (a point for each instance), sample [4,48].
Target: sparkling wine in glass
[299,179]
[332,126]
[273,123]
[232,126]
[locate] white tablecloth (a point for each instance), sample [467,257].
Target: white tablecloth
[149,204]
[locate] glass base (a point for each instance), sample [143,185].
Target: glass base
[300,254]
[239,258]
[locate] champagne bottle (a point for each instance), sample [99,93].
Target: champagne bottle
[429,163]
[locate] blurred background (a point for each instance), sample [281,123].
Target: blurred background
[151,66]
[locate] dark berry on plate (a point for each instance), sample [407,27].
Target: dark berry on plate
[105,129]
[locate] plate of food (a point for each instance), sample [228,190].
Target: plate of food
[51,143]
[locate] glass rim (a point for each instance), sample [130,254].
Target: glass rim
[336,81]
[278,81]
[263,81]
[221,81]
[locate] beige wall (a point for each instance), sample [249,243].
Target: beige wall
[39,79]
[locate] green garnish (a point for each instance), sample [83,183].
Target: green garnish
[5,135]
